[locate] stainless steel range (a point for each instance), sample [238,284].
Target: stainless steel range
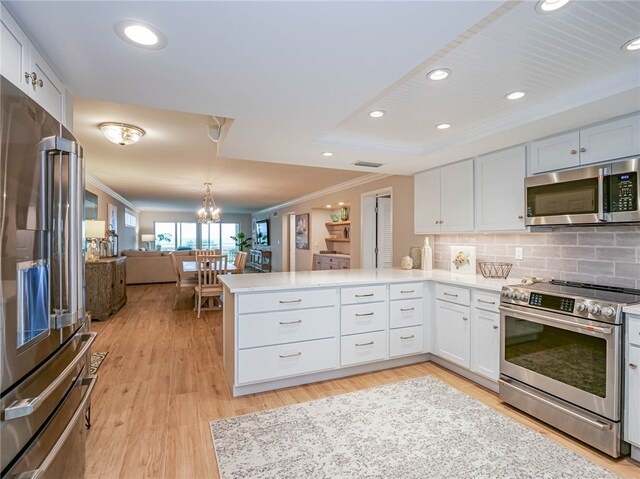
[561,357]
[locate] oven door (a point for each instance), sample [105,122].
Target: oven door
[570,358]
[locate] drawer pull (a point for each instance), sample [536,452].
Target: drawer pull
[291,301]
[486,302]
[495,327]
[407,309]
[452,295]
[633,366]
[368,343]
[408,337]
[408,291]
[465,318]
[291,322]
[359,315]
[368,295]
[285,356]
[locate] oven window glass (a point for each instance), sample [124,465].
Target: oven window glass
[578,360]
[567,198]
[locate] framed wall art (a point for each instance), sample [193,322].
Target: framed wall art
[302,231]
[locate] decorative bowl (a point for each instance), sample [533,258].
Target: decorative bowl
[335,218]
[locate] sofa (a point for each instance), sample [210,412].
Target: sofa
[152,266]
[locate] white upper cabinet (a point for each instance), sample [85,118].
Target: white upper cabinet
[23,66]
[499,190]
[607,141]
[444,199]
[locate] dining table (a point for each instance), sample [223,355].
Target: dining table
[190,268]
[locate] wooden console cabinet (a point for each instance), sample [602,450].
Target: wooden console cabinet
[105,286]
[260,260]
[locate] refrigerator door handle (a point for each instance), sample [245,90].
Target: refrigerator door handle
[25,407]
[55,450]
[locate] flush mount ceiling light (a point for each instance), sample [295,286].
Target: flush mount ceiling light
[377,113]
[515,95]
[121,133]
[140,34]
[443,126]
[327,153]
[631,45]
[438,74]
[548,6]
[209,213]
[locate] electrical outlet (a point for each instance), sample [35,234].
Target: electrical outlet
[519,254]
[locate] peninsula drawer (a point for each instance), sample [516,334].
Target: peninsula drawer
[363,318]
[284,300]
[406,290]
[634,330]
[485,300]
[279,327]
[453,294]
[405,341]
[364,348]
[405,313]
[273,362]
[363,294]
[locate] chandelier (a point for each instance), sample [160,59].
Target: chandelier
[209,213]
[121,133]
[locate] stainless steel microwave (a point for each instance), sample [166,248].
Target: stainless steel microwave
[598,194]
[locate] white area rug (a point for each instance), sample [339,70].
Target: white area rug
[421,428]
[96,361]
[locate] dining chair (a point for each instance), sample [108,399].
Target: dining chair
[207,252]
[240,261]
[210,267]
[182,281]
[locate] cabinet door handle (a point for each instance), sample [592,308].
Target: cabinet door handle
[450,294]
[291,322]
[407,309]
[369,343]
[408,291]
[486,302]
[583,150]
[285,356]
[495,327]
[291,301]
[408,337]
[633,366]
[574,152]
[465,318]
[358,315]
[520,217]
[364,295]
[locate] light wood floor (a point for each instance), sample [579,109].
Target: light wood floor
[162,383]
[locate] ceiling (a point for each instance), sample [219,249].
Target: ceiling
[298,78]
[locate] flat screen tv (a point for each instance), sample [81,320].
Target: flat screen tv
[262,233]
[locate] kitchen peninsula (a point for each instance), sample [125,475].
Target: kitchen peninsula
[286,329]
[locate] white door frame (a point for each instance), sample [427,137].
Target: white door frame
[367,252]
[292,241]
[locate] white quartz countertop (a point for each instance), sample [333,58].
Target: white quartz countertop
[635,309]
[240,283]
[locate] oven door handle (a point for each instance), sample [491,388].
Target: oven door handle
[586,327]
[597,424]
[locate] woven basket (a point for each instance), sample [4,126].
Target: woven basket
[495,270]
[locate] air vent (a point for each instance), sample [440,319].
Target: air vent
[368,164]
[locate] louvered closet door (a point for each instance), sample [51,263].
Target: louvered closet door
[384,233]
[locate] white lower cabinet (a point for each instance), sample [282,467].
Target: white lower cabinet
[403,313]
[632,385]
[453,332]
[272,362]
[485,343]
[364,348]
[406,341]
[362,318]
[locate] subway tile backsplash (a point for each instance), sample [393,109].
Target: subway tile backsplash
[607,255]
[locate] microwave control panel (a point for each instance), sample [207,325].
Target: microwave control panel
[624,192]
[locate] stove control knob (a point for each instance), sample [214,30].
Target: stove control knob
[594,309]
[523,297]
[608,312]
[512,294]
[582,307]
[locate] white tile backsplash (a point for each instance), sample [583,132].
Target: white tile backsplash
[607,254]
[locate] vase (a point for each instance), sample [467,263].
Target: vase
[344,213]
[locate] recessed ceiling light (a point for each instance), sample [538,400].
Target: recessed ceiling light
[327,206]
[515,95]
[547,6]
[438,74]
[140,34]
[327,153]
[377,113]
[341,203]
[631,45]
[443,126]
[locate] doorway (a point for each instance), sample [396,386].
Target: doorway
[377,229]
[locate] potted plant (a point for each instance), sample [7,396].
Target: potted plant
[242,241]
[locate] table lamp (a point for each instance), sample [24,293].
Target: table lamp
[148,238]
[93,230]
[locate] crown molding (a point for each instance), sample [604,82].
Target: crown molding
[101,186]
[361,180]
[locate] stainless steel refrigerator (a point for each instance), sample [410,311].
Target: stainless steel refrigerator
[44,333]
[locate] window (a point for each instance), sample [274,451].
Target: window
[186,237]
[172,236]
[130,219]
[165,236]
[218,236]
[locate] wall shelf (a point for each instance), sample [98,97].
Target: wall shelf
[337,223]
[338,240]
